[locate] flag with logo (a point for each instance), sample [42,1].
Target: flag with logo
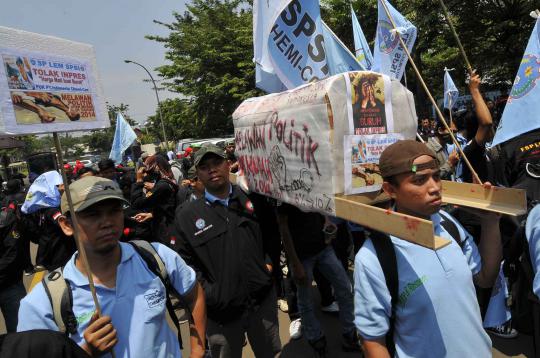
[43,193]
[388,55]
[123,138]
[361,47]
[521,114]
[293,47]
[451,92]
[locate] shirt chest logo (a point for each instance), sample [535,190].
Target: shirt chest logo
[154,298]
[249,207]
[200,224]
[410,288]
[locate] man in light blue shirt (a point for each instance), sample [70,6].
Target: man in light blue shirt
[132,298]
[532,231]
[436,314]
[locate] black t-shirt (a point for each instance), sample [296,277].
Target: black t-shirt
[477,157]
[521,158]
[306,230]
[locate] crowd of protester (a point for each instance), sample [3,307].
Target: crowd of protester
[231,259]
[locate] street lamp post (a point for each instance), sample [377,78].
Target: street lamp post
[158,102]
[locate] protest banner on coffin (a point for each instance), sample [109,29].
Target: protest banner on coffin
[290,145]
[48,84]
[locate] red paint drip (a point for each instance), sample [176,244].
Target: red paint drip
[411,224]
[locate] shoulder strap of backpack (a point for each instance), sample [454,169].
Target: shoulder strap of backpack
[387,258]
[452,229]
[59,293]
[154,262]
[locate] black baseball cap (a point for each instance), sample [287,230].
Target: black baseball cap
[205,150]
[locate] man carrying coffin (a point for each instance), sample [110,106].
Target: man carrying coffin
[412,301]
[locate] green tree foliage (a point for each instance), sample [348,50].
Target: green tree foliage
[101,139]
[180,120]
[210,50]
[494,34]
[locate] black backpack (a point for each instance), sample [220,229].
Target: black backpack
[386,254]
[523,303]
[59,292]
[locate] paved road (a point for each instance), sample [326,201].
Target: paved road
[520,347]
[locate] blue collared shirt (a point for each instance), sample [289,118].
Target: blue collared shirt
[533,237]
[437,300]
[136,305]
[212,198]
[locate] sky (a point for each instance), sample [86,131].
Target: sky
[116,29]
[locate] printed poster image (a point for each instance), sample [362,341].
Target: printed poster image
[370,110]
[18,72]
[48,107]
[362,153]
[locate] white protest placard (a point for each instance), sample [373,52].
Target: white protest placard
[362,154]
[48,84]
[283,146]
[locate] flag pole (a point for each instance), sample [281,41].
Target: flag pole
[456,36]
[433,102]
[80,247]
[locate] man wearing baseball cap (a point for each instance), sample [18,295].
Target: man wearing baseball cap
[132,297]
[191,191]
[219,236]
[435,313]
[230,148]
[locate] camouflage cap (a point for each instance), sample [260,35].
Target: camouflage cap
[90,190]
[192,173]
[211,149]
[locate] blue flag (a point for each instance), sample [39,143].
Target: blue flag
[296,43]
[340,59]
[123,138]
[361,47]
[265,76]
[521,114]
[43,193]
[292,45]
[451,92]
[389,57]
[268,81]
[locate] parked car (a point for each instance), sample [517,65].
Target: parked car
[87,163]
[91,157]
[183,144]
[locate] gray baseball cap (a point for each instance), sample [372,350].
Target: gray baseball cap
[90,190]
[211,149]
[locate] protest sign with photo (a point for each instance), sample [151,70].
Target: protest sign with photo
[51,90]
[361,161]
[283,146]
[369,97]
